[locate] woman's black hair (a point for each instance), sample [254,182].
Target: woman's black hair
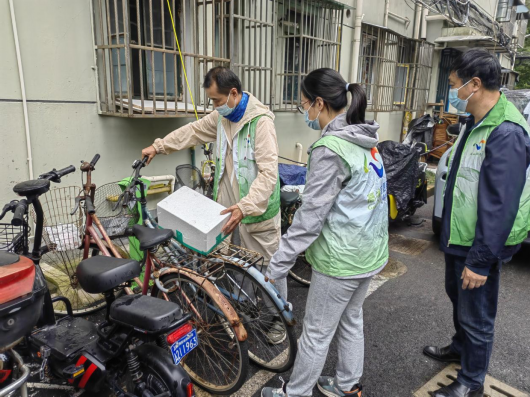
[329,85]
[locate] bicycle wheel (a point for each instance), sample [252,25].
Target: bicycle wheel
[301,271]
[59,268]
[271,341]
[220,363]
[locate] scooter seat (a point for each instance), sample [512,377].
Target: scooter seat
[102,273]
[147,313]
[288,198]
[150,238]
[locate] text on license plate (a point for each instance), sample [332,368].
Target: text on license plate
[184,345]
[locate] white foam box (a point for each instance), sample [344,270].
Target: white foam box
[195,219]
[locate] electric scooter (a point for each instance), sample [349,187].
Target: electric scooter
[126,354]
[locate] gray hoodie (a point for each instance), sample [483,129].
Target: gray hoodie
[327,175]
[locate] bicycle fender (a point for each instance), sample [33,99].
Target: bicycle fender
[281,303]
[224,304]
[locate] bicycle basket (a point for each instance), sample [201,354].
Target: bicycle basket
[190,176]
[11,238]
[62,231]
[114,221]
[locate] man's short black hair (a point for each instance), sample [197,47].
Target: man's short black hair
[224,78]
[478,63]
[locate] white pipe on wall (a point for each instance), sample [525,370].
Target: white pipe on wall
[423,33]
[417,21]
[405,20]
[300,149]
[356,45]
[387,8]
[22,89]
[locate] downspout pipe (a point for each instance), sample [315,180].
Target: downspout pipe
[423,34]
[22,89]
[356,45]
[387,8]
[417,21]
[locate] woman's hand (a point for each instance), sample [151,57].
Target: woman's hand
[270,280]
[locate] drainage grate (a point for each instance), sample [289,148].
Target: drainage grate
[492,387]
[407,245]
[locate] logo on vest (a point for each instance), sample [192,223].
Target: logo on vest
[480,145]
[378,170]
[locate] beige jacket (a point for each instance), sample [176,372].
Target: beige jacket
[266,153]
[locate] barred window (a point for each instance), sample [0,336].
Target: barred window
[309,37]
[139,70]
[394,70]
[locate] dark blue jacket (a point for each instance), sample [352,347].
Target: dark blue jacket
[501,183]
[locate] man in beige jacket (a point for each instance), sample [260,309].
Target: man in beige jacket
[246,177]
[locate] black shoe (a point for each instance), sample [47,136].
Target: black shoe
[457,389]
[443,354]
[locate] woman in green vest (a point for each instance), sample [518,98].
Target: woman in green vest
[343,227]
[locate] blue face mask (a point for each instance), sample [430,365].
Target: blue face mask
[225,110]
[314,124]
[456,102]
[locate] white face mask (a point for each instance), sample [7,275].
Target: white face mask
[225,110]
[455,101]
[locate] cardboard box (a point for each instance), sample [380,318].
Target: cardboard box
[194,218]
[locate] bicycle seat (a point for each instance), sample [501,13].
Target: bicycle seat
[150,238]
[146,313]
[32,188]
[288,198]
[102,273]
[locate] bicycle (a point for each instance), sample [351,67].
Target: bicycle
[72,236]
[220,363]
[290,202]
[234,271]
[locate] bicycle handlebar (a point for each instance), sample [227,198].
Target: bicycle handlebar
[56,175]
[8,208]
[95,160]
[20,211]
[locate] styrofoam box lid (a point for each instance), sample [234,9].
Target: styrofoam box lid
[194,209]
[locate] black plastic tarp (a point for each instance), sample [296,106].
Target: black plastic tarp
[401,166]
[291,174]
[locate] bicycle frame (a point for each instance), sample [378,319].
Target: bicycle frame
[280,303]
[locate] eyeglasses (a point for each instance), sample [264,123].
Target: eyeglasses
[301,107]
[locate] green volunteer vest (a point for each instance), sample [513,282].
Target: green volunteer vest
[245,167]
[464,211]
[354,239]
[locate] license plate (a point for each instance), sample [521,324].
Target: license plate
[184,345]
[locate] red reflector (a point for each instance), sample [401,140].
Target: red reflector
[179,333]
[189,390]
[4,374]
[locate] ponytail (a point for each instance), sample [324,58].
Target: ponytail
[357,109]
[329,85]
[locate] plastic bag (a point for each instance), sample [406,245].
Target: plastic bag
[420,130]
[291,174]
[401,166]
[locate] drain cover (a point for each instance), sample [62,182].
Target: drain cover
[492,387]
[407,245]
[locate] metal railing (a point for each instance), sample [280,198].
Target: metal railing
[140,72]
[394,70]
[309,37]
[139,68]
